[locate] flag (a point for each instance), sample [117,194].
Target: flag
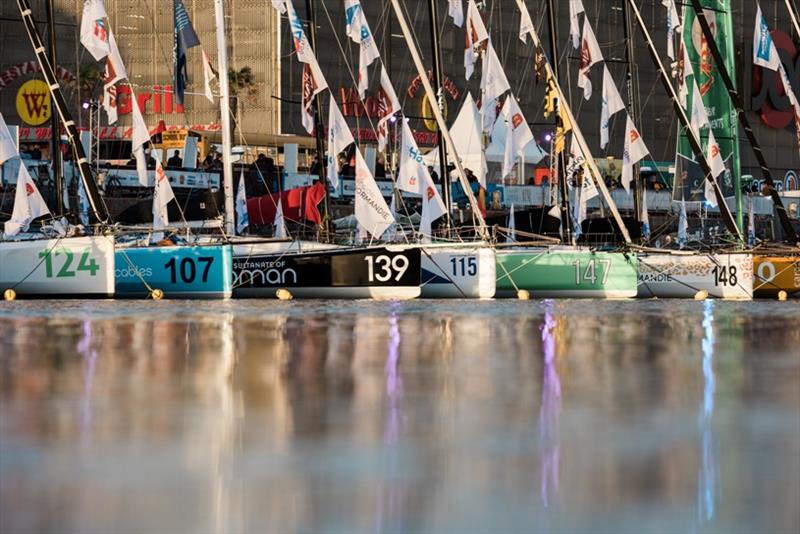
[371,210]
[280,5]
[456,11]
[476,35]
[683,226]
[751,226]
[673,23]
[684,71]
[518,134]
[512,226]
[494,84]
[140,138]
[162,195]
[313,80]
[432,209]
[525,25]
[185,38]
[792,99]
[575,9]
[242,219]
[95,29]
[612,103]
[715,161]
[8,148]
[590,54]
[208,75]
[764,52]
[388,105]
[279,224]
[114,71]
[359,32]
[28,203]
[699,112]
[635,150]
[339,138]
[645,217]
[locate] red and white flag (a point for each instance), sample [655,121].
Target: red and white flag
[476,36]
[388,106]
[28,203]
[94,29]
[113,73]
[162,195]
[208,75]
[590,54]
[717,164]
[456,11]
[518,134]
[494,84]
[139,139]
[313,80]
[635,151]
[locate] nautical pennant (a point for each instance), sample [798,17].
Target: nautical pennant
[612,103]
[185,38]
[476,36]
[518,134]
[339,138]
[590,54]
[635,151]
[359,32]
[28,203]
[94,29]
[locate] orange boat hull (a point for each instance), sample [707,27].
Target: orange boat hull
[774,274]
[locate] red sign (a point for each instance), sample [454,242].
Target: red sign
[160,100]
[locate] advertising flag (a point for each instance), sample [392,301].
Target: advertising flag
[94,28]
[339,138]
[185,38]
[612,103]
[590,54]
[28,203]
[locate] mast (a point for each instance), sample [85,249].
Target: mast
[476,212]
[225,111]
[55,144]
[566,218]
[634,109]
[694,141]
[745,122]
[437,85]
[792,7]
[581,140]
[319,127]
[57,98]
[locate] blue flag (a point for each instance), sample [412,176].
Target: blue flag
[185,38]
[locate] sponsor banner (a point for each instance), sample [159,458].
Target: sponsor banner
[32,67]
[113,132]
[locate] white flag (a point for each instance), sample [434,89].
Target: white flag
[279,224]
[645,216]
[313,80]
[371,209]
[95,29]
[8,148]
[494,84]
[635,150]
[575,9]
[114,71]
[242,218]
[673,23]
[714,156]
[612,103]
[685,70]
[683,226]
[518,134]
[699,113]
[359,32]
[28,203]
[476,35]
[764,52]
[590,54]
[457,12]
[512,226]
[208,75]
[162,195]
[415,178]
[280,5]
[339,138]
[388,106]
[139,139]
[525,25]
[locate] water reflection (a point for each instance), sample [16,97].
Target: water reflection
[399,417]
[549,463]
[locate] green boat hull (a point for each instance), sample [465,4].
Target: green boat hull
[563,272]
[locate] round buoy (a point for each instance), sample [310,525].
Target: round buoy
[284,294]
[782,295]
[523,294]
[9,294]
[156,294]
[701,295]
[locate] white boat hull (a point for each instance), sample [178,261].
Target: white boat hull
[79,267]
[677,275]
[458,271]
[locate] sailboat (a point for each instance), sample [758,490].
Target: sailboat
[567,270]
[38,265]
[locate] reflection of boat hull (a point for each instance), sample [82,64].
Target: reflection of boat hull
[774,274]
[70,267]
[566,272]
[184,272]
[383,273]
[678,275]
[458,271]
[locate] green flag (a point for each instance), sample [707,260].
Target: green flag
[688,175]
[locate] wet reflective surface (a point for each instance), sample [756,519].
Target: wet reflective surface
[552,416]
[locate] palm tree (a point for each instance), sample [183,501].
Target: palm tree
[242,84]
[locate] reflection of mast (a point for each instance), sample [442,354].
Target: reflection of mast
[549,462]
[90,358]
[708,473]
